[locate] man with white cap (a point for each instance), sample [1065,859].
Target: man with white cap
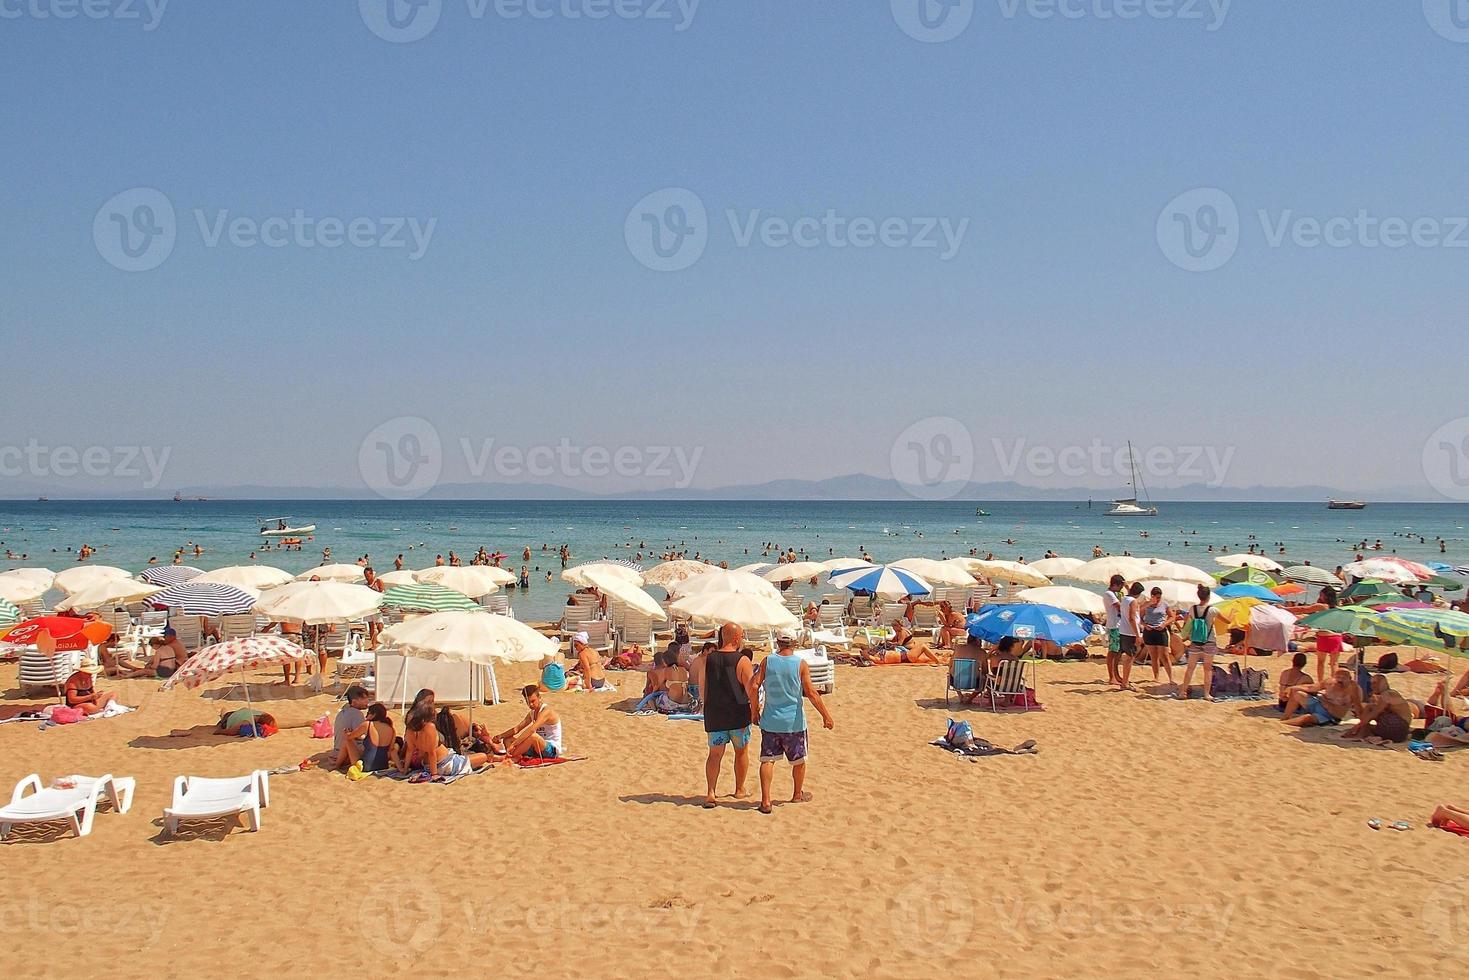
[786,679]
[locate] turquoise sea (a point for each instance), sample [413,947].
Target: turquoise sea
[128,533]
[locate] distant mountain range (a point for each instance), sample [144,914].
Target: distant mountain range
[854,487]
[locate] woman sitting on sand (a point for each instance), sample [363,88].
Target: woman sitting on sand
[425,750]
[382,747]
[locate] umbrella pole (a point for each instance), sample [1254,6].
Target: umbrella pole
[254,724]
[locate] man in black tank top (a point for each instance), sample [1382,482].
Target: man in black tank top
[729,679]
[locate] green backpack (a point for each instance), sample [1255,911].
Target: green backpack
[1198,627]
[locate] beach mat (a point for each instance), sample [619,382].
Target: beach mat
[407,777]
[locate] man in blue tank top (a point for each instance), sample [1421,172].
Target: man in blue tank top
[786,679]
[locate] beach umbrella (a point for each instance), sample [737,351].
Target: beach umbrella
[43,577]
[1444,583]
[1382,571]
[20,590]
[109,593]
[1160,569]
[881,580]
[1352,620]
[315,603]
[625,570]
[470,637]
[427,596]
[9,613]
[936,572]
[71,580]
[248,576]
[1004,571]
[1420,570]
[1175,593]
[755,567]
[402,576]
[1025,621]
[1430,628]
[169,574]
[1311,575]
[719,580]
[246,653]
[1245,575]
[741,608]
[1250,561]
[1270,628]
[71,633]
[1099,571]
[1288,589]
[1056,567]
[1235,613]
[1247,590]
[797,571]
[1405,604]
[841,564]
[333,573]
[673,572]
[474,581]
[627,593]
[1066,597]
[1361,593]
[206,599]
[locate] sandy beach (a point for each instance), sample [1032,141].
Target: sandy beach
[1147,837]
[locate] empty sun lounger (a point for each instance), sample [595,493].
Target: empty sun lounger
[77,804]
[197,798]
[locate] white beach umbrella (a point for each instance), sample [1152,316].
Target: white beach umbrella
[577,575]
[402,576]
[1005,571]
[1100,570]
[43,577]
[248,576]
[627,593]
[1054,567]
[797,571]
[1311,575]
[740,608]
[113,592]
[1383,571]
[333,573]
[470,637]
[937,572]
[1175,593]
[18,590]
[474,581]
[842,564]
[1066,597]
[1172,571]
[1253,561]
[756,567]
[719,580]
[672,572]
[314,603]
[71,580]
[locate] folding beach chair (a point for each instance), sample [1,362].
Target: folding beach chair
[1008,680]
[965,677]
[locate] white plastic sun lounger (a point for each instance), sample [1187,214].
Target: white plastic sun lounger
[34,803]
[197,798]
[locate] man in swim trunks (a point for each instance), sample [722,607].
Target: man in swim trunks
[729,691]
[1324,704]
[1386,717]
[1112,606]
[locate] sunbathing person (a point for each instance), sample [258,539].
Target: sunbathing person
[168,654]
[1446,814]
[239,721]
[891,658]
[1385,718]
[538,736]
[425,750]
[951,625]
[589,673]
[117,665]
[81,692]
[1291,678]
[1324,704]
[1446,727]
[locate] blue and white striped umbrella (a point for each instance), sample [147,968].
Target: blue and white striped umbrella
[204,599]
[887,581]
[169,574]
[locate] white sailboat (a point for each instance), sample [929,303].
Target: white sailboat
[1129,506]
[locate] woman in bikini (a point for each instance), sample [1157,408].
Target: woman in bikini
[425,750]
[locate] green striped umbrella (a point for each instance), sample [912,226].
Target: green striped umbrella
[1433,629]
[1353,620]
[9,613]
[427,596]
[1369,589]
[1245,575]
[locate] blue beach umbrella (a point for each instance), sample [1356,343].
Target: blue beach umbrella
[1246,590]
[887,581]
[1027,621]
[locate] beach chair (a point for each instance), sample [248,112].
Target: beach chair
[120,621]
[862,611]
[636,627]
[758,638]
[599,635]
[197,798]
[498,604]
[77,803]
[236,627]
[965,677]
[576,618]
[793,602]
[39,670]
[187,628]
[823,671]
[355,661]
[830,616]
[153,621]
[1008,680]
[31,608]
[926,620]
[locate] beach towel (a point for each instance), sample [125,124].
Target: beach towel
[607,688]
[543,763]
[697,717]
[421,775]
[979,748]
[1452,828]
[52,720]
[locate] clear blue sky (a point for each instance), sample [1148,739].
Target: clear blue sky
[528,319]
